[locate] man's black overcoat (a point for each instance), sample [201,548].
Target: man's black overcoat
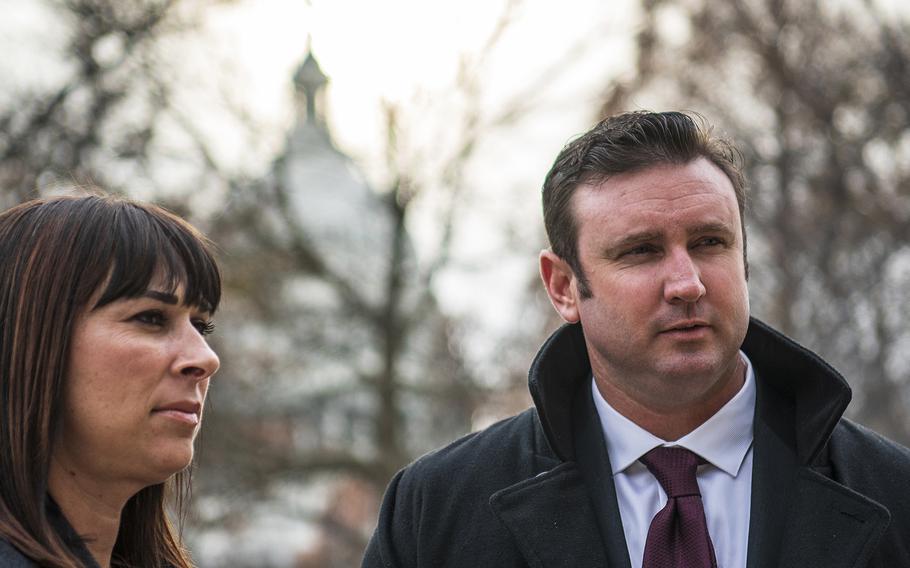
[536,491]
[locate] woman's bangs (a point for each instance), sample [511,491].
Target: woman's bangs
[151,244]
[188,261]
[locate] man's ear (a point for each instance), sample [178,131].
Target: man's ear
[559,280]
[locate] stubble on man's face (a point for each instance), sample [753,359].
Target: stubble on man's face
[662,250]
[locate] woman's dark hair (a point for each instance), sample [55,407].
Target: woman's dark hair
[55,254]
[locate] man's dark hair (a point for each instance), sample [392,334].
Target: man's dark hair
[627,143]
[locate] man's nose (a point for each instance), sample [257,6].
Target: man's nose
[683,281]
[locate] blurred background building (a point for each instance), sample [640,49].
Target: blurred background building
[379,230]
[326,390]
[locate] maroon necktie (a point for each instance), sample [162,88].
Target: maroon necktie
[678,537]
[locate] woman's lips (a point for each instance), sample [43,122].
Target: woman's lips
[180,415]
[186,411]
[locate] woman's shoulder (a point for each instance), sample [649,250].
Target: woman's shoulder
[10,557]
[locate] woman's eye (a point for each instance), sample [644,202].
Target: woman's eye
[151,317]
[204,327]
[159,319]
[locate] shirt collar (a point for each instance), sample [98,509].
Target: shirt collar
[723,440]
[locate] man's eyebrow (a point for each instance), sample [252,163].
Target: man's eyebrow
[640,237]
[161,296]
[632,239]
[711,227]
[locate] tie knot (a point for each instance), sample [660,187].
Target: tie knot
[674,469]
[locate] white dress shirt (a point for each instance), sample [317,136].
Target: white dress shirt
[725,482]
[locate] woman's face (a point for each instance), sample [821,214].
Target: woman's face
[139,370]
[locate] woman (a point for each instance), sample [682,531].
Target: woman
[104,367]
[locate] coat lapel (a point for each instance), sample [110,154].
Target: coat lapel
[799,516]
[551,516]
[551,519]
[597,472]
[569,516]
[774,473]
[830,525]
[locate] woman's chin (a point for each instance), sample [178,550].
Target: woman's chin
[169,461]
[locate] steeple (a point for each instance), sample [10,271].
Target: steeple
[309,81]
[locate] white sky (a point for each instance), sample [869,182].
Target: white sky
[407,52]
[402,51]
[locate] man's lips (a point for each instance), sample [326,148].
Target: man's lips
[685,326]
[185,411]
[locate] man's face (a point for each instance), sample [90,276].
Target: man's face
[663,253]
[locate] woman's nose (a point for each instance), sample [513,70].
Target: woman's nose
[196,360]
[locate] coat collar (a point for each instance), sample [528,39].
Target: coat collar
[795,509]
[562,366]
[559,369]
[568,516]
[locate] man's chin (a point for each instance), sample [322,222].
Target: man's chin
[690,366]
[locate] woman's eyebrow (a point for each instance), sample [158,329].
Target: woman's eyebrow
[161,296]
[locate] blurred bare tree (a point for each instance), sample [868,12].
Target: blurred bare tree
[342,362]
[338,365]
[96,117]
[817,95]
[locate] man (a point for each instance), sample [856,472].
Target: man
[669,428]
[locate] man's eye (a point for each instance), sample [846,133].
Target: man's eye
[151,317]
[639,250]
[710,241]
